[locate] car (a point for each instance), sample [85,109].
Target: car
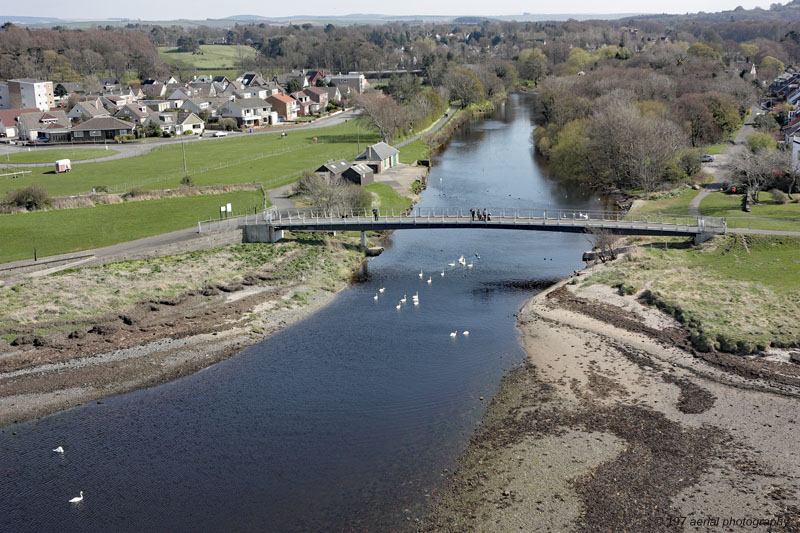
[43,140]
[706,158]
[220,133]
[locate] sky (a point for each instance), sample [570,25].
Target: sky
[202,9]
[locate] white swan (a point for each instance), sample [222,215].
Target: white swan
[451,264]
[381,289]
[375,297]
[403,299]
[398,306]
[469,265]
[77,499]
[416,302]
[465,332]
[442,273]
[429,280]
[453,333]
[59,450]
[420,274]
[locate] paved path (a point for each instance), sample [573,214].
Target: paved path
[133,149]
[719,167]
[439,123]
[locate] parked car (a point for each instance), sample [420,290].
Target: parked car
[43,140]
[706,158]
[220,133]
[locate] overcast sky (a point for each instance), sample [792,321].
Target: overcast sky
[202,9]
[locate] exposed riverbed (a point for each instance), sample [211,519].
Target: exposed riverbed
[347,419]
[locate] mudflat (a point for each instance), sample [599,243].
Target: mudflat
[615,424]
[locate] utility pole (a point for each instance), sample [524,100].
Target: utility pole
[183,149]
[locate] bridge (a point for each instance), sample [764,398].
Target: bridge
[269,225]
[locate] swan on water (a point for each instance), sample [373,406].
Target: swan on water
[465,332]
[403,299]
[77,499]
[420,274]
[453,333]
[469,265]
[442,273]
[429,280]
[451,264]
[375,297]
[398,306]
[381,289]
[59,450]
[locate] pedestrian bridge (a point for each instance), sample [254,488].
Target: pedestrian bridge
[269,225]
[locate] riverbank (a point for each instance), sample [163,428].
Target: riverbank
[613,424]
[96,332]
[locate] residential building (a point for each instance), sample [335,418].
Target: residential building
[136,113]
[334,94]
[380,156]
[319,97]
[354,80]
[51,125]
[285,106]
[28,93]
[9,120]
[303,103]
[248,112]
[101,129]
[5,102]
[86,110]
[177,122]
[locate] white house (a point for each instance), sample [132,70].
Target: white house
[247,111]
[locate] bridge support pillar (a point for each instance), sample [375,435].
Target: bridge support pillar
[363,241]
[700,238]
[274,235]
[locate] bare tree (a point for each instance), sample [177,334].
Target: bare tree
[382,112]
[756,171]
[331,193]
[604,242]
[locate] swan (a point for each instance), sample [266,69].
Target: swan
[397,306]
[403,299]
[429,280]
[465,333]
[469,265]
[477,255]
[416,302]
[416,295]
[77,499]
[461,259]
[59,450]
[451,264]
[381,289]
[453,334]
[375,297]
[420,274]
[442,273]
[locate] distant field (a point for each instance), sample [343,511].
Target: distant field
[163,167]
[71,230]
[213,55]
[50,156]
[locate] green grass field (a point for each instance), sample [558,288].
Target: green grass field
[71,230]
[50,156]
[388,197]
[163,167]
[414,151]
[677,204]
[732,289]
[213,55]
[785,216]
[715,149]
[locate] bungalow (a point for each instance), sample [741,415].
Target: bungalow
[209,106]
[136,113]
[247,111]
[101,128]
[177,122]
[153,90]
[251,92]
[157,105]
[285,106]
[9,119]
[51,125]
[360,174]
[380,156]
[113,101]
[86,110]
[333,169]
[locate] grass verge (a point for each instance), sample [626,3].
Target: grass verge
[388,197]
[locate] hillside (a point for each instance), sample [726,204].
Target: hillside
[789,12]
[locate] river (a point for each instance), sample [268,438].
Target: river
[346,420]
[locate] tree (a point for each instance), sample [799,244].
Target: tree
[403,88]
[331,193]
[532,64]
[187,44]
[756,171]
[464,86]
[382,112]
[766,122]
[758,142]
[697,120]
[579,58]
[60,91]
[294,86]
[770,67]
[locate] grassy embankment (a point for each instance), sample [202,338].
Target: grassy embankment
[71,230]
[387,196]
[50,156]
[737,293]
[316,260]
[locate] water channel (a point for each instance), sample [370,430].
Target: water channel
[344,421]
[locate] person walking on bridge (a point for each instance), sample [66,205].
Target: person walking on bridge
[375,213]
[472,214]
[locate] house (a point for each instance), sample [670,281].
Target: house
[285,106]
[319,97]
[380,156]
[248,112]
[208,106]
[251,92]
[72,87]
[177,122]
[250,79]
[108,83]
[152,90]
[51,125]
[315,75]
[303,103]
[157,105]
[100,129]
[333,169]
[86,110]
[360,174]
[334,94]
[113,101]
[9,120]
[354,80]
[136,113]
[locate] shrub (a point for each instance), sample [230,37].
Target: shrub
[726,343]
[779,196]
[702,341]
[31,197]
[227,124]
[187,181]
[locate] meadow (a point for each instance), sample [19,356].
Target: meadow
[50,156]
[213,55]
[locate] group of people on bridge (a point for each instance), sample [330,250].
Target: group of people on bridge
[485,216]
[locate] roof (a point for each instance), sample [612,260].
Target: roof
[282,98]
[337,167]
[90,109]
[33,121]
[9,116]
[103,123]
[316,90]
[250,103]
[378,152]
[361,168]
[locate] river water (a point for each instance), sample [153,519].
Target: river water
[344,421]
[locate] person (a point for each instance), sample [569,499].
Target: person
[472,213]
[375,213]
[484,213]
[489,216]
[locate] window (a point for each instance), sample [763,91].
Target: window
[77,134]
[95,133]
